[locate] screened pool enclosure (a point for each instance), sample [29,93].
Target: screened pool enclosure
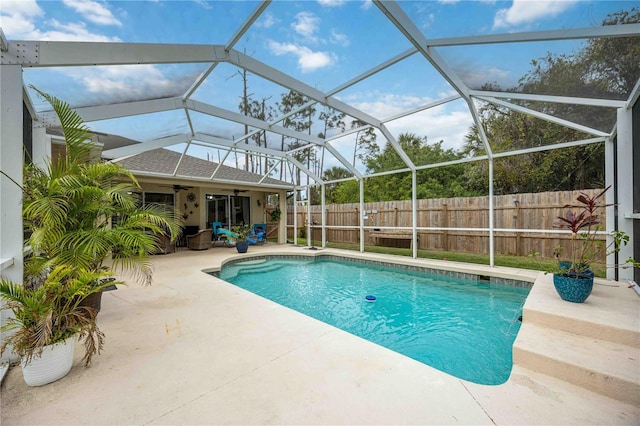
[262,91]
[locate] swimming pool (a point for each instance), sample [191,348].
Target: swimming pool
[460,326]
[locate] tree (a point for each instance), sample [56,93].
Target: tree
[566,169]
[615,61]
[330,189]
[332,120]
[366,141]
[264,112]
[289,103]
[436,182]
[604,68]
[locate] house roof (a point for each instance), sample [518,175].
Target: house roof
[163,162]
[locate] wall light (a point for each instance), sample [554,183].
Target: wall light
[259,204]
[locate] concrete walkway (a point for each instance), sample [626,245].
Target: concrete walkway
[192,349]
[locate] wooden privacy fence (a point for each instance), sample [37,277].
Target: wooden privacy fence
[453,223]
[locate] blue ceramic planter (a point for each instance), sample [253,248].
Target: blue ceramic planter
[242,246]
[574,289]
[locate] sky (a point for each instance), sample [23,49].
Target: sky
[322,43]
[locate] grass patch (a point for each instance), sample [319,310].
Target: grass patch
[521,262]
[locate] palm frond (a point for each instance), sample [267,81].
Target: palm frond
[76,133]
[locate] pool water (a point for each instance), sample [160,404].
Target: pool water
[463,327]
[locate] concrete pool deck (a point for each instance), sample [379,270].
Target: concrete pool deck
[192,349]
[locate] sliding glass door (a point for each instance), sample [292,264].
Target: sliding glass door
[218,210]
[229,210]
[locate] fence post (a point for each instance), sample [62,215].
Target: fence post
[445,224]
[518,223]
[358,225]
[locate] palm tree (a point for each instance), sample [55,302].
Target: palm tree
[334,173]
[80,210]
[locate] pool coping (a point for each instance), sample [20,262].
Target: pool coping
[514,278]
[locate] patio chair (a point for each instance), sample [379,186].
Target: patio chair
[201,240]
[165,245]
[186,231]
[227,236]
[259,234]
[218,236]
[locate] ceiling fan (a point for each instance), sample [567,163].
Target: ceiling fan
[178,188]
[236,191]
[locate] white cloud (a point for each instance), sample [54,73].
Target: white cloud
[119,83]
[306,24]
[308,60]
[331,3]
[449,122]
[475,76]
[16,17]
[20,21]
[93,11]
[339,38]
[524,12]
[267,21]
[70,32]
[27,8]
[204,3]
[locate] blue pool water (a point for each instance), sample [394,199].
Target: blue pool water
[462,327]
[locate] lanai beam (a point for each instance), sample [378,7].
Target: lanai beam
[546,117]
[623,30]
[611,103]
[80,53]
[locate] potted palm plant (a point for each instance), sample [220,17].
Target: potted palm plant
[83,221]
[80,211]
[48,319]
[573,278]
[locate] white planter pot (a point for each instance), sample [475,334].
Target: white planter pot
[54,364]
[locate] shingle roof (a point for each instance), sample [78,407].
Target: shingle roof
[164,161]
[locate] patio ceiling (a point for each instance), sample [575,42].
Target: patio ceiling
[195,113]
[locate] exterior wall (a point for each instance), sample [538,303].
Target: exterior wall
[11,160]
[197,216]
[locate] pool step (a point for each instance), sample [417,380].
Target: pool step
[594,318]
[608,368]
[587,344]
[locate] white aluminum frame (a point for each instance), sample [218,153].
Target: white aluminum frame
[21,54]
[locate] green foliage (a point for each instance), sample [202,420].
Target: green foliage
[347,192]
[241,232]
[613,61]
[604,68]
[52,313]
[275,214]
[331,189]
[584,224]
[80,210]
[436,182]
